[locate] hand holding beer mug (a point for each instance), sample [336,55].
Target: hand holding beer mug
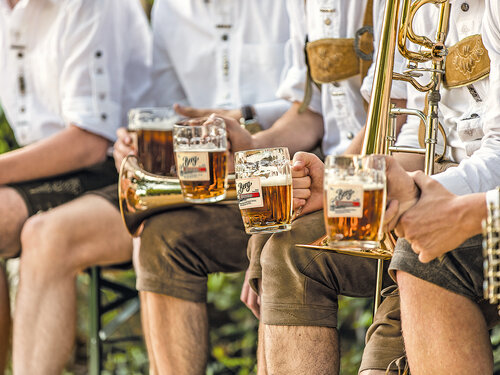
[151,130]
[264,188]
[354,200]
[201,154]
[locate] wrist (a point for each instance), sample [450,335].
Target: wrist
[472,210]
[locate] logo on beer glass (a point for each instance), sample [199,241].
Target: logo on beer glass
[201,158]
[264,187]
[193,166]
[249,193]
[354,200]
[345,200]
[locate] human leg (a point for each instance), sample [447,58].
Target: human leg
[299,298]
[444,328]
[444,332]
[178,251]
[13,215]
[57,245]
[5,321]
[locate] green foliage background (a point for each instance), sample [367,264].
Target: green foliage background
[233,332]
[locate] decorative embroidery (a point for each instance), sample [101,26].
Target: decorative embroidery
[467,57]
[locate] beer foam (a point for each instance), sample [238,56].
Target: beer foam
[275,180]
[354,180]
[199,148]
[155,124]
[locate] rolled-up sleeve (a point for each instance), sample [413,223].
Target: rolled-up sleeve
[95,53]
[481,172]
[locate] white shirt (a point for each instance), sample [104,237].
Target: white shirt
[479,158]
[341,104]
[220,54]
[72,62]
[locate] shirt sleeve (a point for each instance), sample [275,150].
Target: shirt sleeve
[167,88]
[267,113]
[95,53]
[481,172]
[293,85]
[398,90]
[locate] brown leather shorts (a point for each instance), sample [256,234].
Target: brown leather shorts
[179,248]
[44,194]
[301,286]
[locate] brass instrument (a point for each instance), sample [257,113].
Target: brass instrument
[380,134]
[491,253]
[142,194]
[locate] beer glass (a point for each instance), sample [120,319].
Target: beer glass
[354,200]
[151,130]
[264,188]
[201,154]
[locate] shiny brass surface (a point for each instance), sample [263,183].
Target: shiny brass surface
[142,194]
[380,134]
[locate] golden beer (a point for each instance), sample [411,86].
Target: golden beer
[274,213]
[202,174]
[152,132]
[155,151]
[365,228]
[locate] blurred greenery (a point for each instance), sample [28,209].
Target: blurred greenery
[233,333]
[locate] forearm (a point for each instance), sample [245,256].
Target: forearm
[297,131]
[71,149]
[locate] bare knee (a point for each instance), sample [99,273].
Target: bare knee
[12,217]
[44,244]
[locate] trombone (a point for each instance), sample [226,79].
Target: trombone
[380,134]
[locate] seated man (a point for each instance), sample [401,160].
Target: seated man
[175,256]
[444,329]
[280,310]
[222,56]
[67,82]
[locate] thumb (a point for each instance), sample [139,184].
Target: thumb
[420,178]
[186,111]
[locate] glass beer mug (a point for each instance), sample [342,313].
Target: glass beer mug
[201,157]
[151,130]
[354,201]
[264,188]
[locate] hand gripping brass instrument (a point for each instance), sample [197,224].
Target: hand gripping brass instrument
[380,134]
[142,194]
[491,252]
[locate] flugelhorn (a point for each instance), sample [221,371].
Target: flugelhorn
[142,194]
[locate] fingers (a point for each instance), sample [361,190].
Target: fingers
[124,136]
[298,204]
[189,111]
[391,215]
[250,299]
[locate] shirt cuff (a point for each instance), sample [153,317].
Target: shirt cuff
[493,199]
[82,112]
[453,182]
[267,113]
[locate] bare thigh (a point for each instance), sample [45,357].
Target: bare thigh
[13,215]
[84,232]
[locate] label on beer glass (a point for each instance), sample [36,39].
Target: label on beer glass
[249,192]
[345,200]
[193,166]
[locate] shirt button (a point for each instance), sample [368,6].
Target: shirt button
[225,37]
[350,135]
[328,21]
[464,7]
